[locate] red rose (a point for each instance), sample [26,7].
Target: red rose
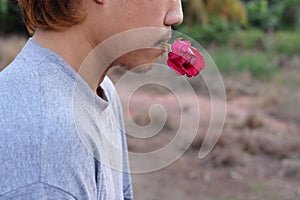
[185,59]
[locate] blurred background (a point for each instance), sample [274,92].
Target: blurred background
[256,46]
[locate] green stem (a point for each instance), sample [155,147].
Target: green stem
[167,45]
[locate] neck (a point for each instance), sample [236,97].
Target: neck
[74,47]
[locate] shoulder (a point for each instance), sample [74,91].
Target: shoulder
[20,104]
[38,138]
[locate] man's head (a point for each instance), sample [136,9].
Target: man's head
[101,19]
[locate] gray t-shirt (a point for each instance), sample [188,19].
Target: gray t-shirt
[53,137]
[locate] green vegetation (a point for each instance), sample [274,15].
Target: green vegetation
[283,42]
[217,33]
[259,65]
[268,15]
[3,7]
[287,42]
[204,11]
[10,18]
[273,14]
[280,42]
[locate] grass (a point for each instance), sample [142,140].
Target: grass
[281,42]
[287,42]
[250,40]
[259,65]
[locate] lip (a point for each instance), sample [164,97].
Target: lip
[160,47]
[166,38]
[159,44]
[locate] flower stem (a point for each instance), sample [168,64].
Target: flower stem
[167,45]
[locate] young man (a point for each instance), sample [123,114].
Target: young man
[45,148]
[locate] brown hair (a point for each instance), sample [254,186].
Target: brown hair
[55,15]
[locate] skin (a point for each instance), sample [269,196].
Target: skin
[106,18]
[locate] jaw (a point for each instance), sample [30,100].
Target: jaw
[139,60]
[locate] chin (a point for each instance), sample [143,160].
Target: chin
[139,69]
[140,63]
[142,68]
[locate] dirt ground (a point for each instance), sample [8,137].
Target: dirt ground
[257,156]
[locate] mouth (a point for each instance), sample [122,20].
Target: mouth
[165,39]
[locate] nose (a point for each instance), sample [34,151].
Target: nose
[175,14]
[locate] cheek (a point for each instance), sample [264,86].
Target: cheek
[145,13]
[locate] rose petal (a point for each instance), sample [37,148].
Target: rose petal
[190,70]
[184,48]
[175,62]
[184,59]
[193,61]
[174,66]
[179,59]
[200,64]
[180,47]
[187,56]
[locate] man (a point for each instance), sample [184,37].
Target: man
[47,149]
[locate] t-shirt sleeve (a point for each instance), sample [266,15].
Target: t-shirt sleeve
[38,191]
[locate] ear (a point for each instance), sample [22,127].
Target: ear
[99,1]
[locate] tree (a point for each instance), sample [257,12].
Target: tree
[202,11]
[195,11]
[3,7]
[10,17]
